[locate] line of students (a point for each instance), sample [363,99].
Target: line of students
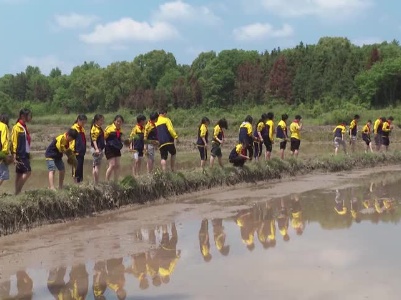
[381,130]
[250,139]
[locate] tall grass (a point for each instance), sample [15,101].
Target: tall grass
[38,207]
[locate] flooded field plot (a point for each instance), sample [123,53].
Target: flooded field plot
[339,243]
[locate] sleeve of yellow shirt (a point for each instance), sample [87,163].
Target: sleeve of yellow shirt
[261,125]
[94,133]
[238,149]
[203,131]
[60,144]
[344,130]
[352,125]
[106,132]
[147,130]
[249,127]
[216,132]
[386,127]
[14,140]
[271,132]
[376,126]
[171,129]
[4,140]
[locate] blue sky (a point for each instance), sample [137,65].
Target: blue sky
[56,33]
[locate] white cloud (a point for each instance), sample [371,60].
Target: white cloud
[257,31]
[179,11]
[320,8]
[126,29]
[74,20]
[46,63]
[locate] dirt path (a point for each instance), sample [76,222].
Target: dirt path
[112,234]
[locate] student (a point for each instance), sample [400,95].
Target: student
[203,140]
[219,237]
[339,132]
[246,136]
[20,149]
[259,135]
[295,128]
[217,142]
[167,138]
[281,134]
[150,139]
[137,145]
[386,130]
[270,135]
[97,145]
[340,207]
[283,221]
[79,147]
[377,131]
[366,136]
[112,150]
[54,154]
[238,155]
[5,157]
[353,130]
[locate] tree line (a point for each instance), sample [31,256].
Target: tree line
[332,70]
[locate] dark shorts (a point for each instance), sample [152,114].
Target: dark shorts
[378,140]
[295,143]
[385,141]
[166,149]
[23,166]
[268,145]
[366,139]
[111,152]
[202,152]
[283,145]
[216,150]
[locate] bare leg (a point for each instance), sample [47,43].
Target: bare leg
[267,155]
[20,181]
[110,169]
[296,152]
[282,153]
[172,163]
[95,174]
[61,176]
[150,163]
[220,159]
[51,180]
[164,164]
[117,169]
[211,161]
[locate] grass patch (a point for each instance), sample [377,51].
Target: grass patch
[38,207]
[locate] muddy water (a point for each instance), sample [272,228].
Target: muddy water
[333,243]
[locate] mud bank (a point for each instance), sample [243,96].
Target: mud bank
[39,207]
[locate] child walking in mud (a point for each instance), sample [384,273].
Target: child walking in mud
[217,142]
[203,140]
[339,133]
[97,145]
[137,146]
[366,130]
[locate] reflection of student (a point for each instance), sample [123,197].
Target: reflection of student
[264,231]
[152,267]
[355,210]
[24,286]
[99,280]
[79,282]
[115,277]
[220,237]
[168,253]
[340,207]
[297,222]
[56,283]
[246,223]
[204,243]
[283,221]
[138,269]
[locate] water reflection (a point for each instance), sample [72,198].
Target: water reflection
[268,225]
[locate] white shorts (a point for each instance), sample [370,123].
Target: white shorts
[338,141]
[4,172]
[151,152]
